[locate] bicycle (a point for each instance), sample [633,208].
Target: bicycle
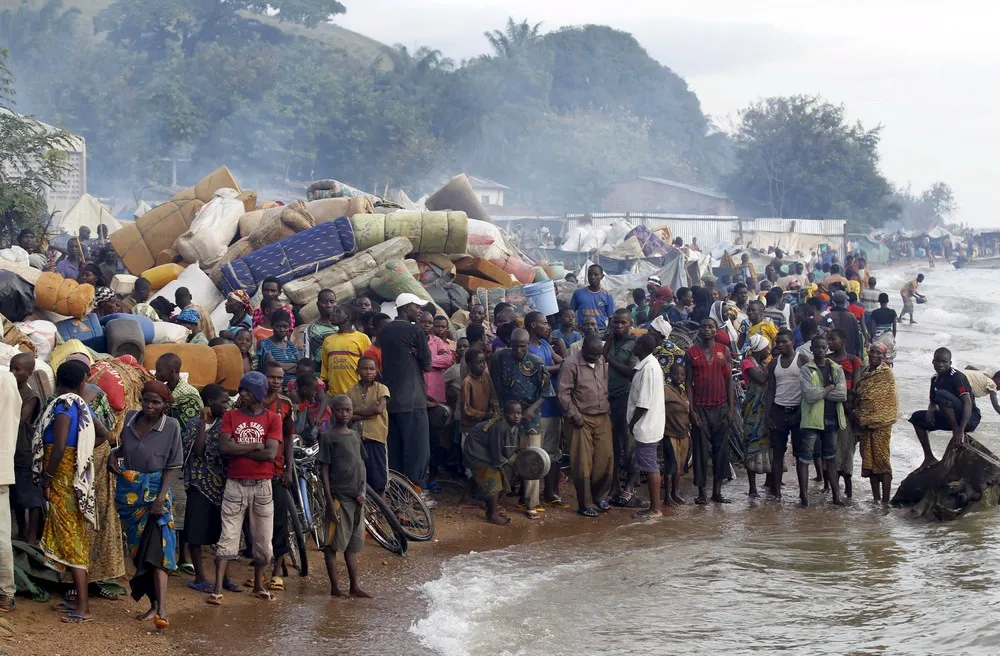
[307,492]
[382,523]
[408,506]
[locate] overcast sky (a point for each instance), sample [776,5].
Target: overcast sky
[923,69]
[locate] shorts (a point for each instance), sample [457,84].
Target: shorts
[488,480]
[25,495]
[919,420]
[347,534]
[376,465]
[202,519]
[814,443]
[240,498]
[786,422]
[644,457]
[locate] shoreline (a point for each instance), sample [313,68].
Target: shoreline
[304,615]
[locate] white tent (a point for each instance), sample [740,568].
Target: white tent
[87,212]
[141,209]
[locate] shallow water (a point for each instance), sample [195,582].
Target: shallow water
[758,577]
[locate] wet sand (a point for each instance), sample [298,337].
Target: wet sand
[304,615]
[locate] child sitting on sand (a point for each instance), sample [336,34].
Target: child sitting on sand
[343,472]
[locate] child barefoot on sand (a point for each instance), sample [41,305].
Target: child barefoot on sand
[487,450]
[343,471]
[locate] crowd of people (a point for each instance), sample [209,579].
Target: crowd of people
[730,372]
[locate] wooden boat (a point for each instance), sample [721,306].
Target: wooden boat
[978,263]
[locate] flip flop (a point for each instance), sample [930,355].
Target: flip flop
[263,595]
[232,586]
[187,568]
[73,618]
[160,623]
[603,505]
[588,512]
[206,587]
[557,503]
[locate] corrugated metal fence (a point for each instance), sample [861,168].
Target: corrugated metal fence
[709,230]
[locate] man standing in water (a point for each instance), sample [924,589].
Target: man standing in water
[909,293]
[824,391]
[713,403]
[782,402]
[952,407]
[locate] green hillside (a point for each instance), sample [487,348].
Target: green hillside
[357,45]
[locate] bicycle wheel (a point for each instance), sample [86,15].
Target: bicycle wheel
[317,507]
[413,514]
[382,524]
[297,542]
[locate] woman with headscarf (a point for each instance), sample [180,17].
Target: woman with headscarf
[666,352]
[238,305]
[107,558]
[105,302]
[63,462]
[725,315]
[190,319]
[875,413]
[756,437]
[151,459]
[660,300]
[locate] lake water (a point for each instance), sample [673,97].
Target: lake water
[759,576]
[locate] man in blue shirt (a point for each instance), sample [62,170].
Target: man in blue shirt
[593,301]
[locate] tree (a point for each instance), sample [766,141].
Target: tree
[156,27]
[33,161]
[925,210]
[799,157]
[515,37]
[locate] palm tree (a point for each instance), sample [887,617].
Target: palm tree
[513,38]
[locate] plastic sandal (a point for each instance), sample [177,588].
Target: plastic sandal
[263,595]
[277,584]
[214,600]
[232,586]
[205,586]
[8,608]
[603,505]
[160,622]
[73,618]
[588,512]
[557,503]
[186,568]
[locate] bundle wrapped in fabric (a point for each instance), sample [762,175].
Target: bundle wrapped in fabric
[138,244]
[292,257]
[26,273]
[215,225]
[64,296]
[13,336]
[458,195]
[321,210]
[434,267]
[486,241]
[429,232]
[394,278]
[347,278]
[652,245]
[515,266]
[283,222]
[333,189]
[202,364]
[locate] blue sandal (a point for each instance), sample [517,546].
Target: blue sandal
[588,512]
[206,587]
[603,505]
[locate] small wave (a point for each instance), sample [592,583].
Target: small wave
[987,325]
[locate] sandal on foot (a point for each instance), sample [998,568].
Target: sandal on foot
[232,586]
[603,505]
[205,586]
[277,584]
[588,512]
[75,618]
[623,500]
[8,607]
[263,595]
[160,623]
[214,600]
[63,607]
[186,568]
[557,503]
[701,501]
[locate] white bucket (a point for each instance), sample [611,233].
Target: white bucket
[542,297]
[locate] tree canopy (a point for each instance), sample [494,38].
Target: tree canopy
[800,157]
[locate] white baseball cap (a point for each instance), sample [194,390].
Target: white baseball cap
[407,299]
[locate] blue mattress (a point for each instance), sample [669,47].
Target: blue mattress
[293,257]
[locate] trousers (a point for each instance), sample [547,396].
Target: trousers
[410,444]
[7,586]
[623,443]
[591,458]
[710,444]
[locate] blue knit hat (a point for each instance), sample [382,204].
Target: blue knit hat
[256,383]
[189,316]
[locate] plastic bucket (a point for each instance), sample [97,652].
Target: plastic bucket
[542,297]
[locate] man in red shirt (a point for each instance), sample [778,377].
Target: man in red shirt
[713,402]
[280,405]
[250,437]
